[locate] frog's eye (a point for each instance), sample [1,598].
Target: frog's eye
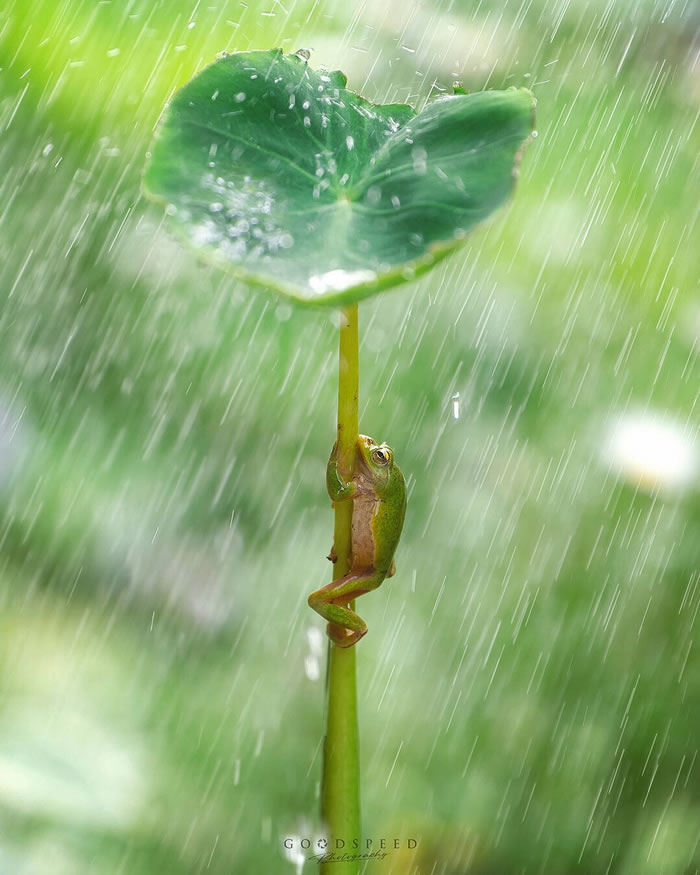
[381,456]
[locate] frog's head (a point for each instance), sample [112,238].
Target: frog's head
[378,460]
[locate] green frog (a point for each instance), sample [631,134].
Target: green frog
[377,490]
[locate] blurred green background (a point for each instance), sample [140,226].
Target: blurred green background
[530,687]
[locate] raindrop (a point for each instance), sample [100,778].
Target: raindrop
[283,313]
[339,280]
[420,159]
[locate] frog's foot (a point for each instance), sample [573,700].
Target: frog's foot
[345,627]
[332,556]
[344,637]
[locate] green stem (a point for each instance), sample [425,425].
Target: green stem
[340,791]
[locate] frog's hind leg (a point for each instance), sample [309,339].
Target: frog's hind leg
[345,627]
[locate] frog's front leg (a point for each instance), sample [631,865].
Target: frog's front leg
[345,627]
[339,489]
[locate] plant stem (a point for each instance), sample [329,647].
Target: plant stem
[340,791]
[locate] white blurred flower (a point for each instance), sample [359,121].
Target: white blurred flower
[302,845]
[312,662]
[652,450]
[293,852]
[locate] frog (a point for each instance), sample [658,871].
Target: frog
[377,490]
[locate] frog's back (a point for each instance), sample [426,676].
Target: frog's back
[390,512]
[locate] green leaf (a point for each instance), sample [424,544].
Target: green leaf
[282,175]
